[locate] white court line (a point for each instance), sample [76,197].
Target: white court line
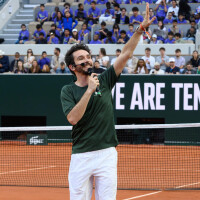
[144,195]
[24,170]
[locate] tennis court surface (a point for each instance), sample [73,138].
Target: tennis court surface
[151,165]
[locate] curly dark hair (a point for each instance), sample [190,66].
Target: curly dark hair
[69,58]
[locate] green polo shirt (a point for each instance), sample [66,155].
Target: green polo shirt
[96,129]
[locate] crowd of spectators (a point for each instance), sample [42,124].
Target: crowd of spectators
[146,64]
[64,31]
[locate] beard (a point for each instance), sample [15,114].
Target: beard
[81,69]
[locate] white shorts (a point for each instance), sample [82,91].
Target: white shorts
[84,167]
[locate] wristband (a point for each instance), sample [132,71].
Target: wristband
[148,34]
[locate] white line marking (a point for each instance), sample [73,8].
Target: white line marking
[24,170]
[144,195]
[187,185]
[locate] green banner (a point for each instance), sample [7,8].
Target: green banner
[33,139]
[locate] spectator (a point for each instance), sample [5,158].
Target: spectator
[13,64]
[161,10]
[189,69]
[55,13]
[103,58]
[169,19]
[37,32]
[179,60]
[68,9]
[175,29]
[42,15]
[80,13]
[195,60]
[62,69]
[145,1]
[97,68]
[170,39]
[56,59]
[66,37]
[116,31]
[54,28]
[45,69]
[190,35]
[28,59]
[151,15]
[41,39]
[181,19]
[43,60]
[197,17]
[4,62]
[184,9]
[163,60]
[198,70]
[174,9]
[94,10]
[136,18]
[23,35]
[117,9]
[123,38]
[122,18]
[90,21]
[116,1]
[52,39]
[131,64]
[35,68]
[82,32]
[149,60]
[1,40]
[20,68]
[109,39]
[172,69]
[130,32]
[160,31]
[178,38]
[154,40]
[102,1]
[193,24]
[74,38]
[87,2]
[68,21]
[145,36]
[106,16]
[96,39]
[141,67]
[103,31]
[58,20]
[157,70]
[108,7]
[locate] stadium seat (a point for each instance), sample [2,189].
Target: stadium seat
[47,26]
[32,28]
[30,42]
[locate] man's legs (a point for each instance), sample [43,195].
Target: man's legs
[106,175]
[80,177]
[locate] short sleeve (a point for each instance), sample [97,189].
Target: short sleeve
[67,100]
[109,77]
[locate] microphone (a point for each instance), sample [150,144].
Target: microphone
[98,91]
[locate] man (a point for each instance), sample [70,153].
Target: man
[123,38]
[41,39]
[96,39]
[170,39]
[149,60]
[172,69]
[108,7]
[94,10]
[37,32]
[179,60]
[161,10]
[62,69]
[56,59]
[23,35]
[97,68]
[117,10]
[168,19]
[80,13]
[163,60]
[175,29]
[4,62]
[14,63]
[52,39]
[103,31]
[94,137]
[189,69]
[157,70]
[174,9]
[43,60]
[42,15]
[136,18]
[122,18]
